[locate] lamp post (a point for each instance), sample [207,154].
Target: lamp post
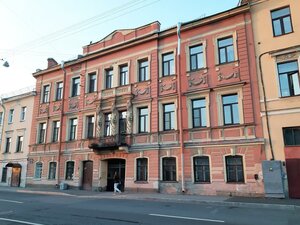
[5,64]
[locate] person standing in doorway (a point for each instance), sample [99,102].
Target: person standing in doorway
[116,183]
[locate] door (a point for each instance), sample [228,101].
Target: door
[115,165]
[15,176]
[293,175]
[87,175]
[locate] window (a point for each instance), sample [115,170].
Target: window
[169,169]
[291,136]
[4,175]
[38,170]
[142,169]
[230,109]
[52,171]
[168,64]
[23,113]
[108,78]
[281,21]
[46,93]
[289,78]
[73,128]
[75,86]
[199,113]
[143,120]
[70,170]
[107,125]
[122,122]
[11,116]
[42,133]
[90,121]
[20,140]
[143,70]
[7,144]
[1,118]
[169,116]
[225,50]
[123,75]
[196,57]
[91,83]
[201,169]
[55,130]
[234,169]
[59,91]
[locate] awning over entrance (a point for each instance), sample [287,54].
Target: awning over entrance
[15,165]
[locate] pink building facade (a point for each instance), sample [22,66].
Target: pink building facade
[170,111]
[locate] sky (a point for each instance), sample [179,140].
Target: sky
[33,30]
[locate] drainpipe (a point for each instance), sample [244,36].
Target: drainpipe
[265,102]
[180,108]
[3,119]
[61,122]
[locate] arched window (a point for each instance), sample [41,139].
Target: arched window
[142,169]
[70,170]
[201,169]
[169,168]
[52,171]
[38,170]
[234,168]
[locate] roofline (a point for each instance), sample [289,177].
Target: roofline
[20,96]
[185,26]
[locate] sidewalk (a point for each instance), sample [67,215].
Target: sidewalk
[272,203]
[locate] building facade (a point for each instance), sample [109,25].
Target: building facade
[170,111]
[15,124]
[276,27]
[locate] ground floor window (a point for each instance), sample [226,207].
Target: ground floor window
[234,169]
[70,170]
[169,169]
[201,169]
[142,169]
[4,175]
[52,171]
[38,170]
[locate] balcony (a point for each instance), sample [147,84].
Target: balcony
[111,143]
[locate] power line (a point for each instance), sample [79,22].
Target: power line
[86,24]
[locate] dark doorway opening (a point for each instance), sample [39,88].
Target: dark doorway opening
[115,165]
[15,174]
[87,175]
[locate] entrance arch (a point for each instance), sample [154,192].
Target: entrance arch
[15,174]
[115,165]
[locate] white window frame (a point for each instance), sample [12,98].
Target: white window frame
[216,46]
[87,81]
[160,64]
[137,67]
[161,112]
[225,167]
[193,171]
[135,168]
[136,108]
[187,50]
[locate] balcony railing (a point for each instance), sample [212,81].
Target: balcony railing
[113,142]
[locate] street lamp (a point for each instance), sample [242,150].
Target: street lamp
[5,64]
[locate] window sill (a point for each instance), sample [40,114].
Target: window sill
[173,76]
[291,96]
[202,182]
[275,36]
[204,69]
[141,182]
[236,62]
[19,152]
[165,181]
[235,182]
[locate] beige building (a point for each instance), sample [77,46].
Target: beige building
[15,124]
[276,26]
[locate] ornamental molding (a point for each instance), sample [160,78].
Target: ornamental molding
[194,82]
[56,107]
[289,56]
[167,87]
[44,109]
[146,91]
[230,76]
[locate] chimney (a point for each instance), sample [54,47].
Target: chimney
[51,62]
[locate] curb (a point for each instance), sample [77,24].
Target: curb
[141,198]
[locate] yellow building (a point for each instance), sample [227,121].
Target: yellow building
[276,27]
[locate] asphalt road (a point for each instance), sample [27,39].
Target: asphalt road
[35,209]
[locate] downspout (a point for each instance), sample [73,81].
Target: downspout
[181,141]
[265,102]
[3,119]
[61,122]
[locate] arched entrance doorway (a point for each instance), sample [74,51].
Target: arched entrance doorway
[115,165]
[87,175]
[15,174]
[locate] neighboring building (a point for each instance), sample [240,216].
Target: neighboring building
[15,124]
[165,121]
[276,27]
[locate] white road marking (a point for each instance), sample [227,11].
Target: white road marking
[188,218]
[20,221]
[6,200]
